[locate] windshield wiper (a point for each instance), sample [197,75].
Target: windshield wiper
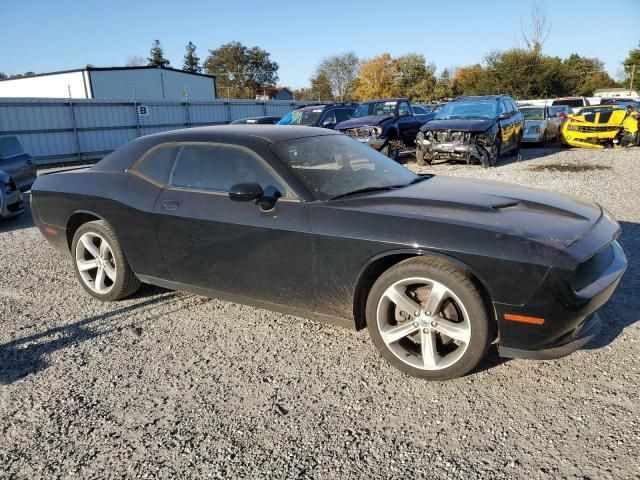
[362,190]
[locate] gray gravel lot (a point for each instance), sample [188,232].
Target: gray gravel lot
[169,385]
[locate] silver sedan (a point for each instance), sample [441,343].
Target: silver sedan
[540,124]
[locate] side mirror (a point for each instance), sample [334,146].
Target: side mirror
[328,124]
[505,115]
[245,192]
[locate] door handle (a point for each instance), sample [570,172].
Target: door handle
[169,205]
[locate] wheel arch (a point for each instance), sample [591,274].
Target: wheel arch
[380,263]
[76,219]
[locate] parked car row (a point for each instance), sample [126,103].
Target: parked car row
[17,174]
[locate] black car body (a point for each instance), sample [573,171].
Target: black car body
[319,219]
[321,115]
[388,125]
[266,120]
[477,128]
[16,163]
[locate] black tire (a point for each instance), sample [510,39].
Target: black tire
[498,146]
[482,329]
[126,283]
[420,157]
[515,152]
[390,151]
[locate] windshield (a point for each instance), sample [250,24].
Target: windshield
[576,102]
[375,108]
[533,113]
[479,110]
[333,165]
[306,116]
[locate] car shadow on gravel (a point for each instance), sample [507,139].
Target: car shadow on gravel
[27,355]
[623,309]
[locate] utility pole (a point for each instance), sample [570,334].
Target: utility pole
[633,74]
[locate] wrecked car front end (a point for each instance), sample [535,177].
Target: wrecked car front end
[465,145]
[371,135]
[602,127]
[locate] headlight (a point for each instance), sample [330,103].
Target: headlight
[534,129]
[420,136]
[376,131]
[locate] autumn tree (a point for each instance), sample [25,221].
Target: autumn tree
[134,61]
[472,80]
[416,78]
[321,87]
[341,72]
[583,75]
[442,89]
[191,60]
[156,56]
[378,78]
[241,71]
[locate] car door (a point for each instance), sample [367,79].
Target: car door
[506,125]
[328,120]
[211,242]
[407,124]
[16,163]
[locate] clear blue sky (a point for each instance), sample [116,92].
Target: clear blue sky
[50,35]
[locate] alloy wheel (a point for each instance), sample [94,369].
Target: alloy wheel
[423,323]
[95,263]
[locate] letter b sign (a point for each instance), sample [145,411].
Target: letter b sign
[143,111]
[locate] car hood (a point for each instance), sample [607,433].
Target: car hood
[552,219]
[370,120]
[612,117]
[459,125]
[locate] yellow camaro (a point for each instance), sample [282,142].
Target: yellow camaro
[602,126]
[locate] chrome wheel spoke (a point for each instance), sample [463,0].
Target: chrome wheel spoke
[99,282]
[398,296]
[438,294]
[104,250]
[84,265]
[398,332]
[457,331]
[428,349]
[89,246]
[110,271]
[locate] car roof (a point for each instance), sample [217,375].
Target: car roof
[480,98]
[256,136]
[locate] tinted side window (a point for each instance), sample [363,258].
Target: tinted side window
[158,165]
[503,107]
[217,168]
[329,117]
[343,114]
[403,109]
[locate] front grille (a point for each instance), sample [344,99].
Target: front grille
[579,128]
[446,136]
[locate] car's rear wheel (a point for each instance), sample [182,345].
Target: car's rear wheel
[100,264]
[428,319]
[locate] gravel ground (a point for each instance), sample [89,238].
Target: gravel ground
[169,385]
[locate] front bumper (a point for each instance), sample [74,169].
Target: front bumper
[567,300]
[463,150]
[533,138]
[374,142]
[11,204]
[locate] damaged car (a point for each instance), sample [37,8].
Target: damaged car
[541,124]
[388,125]
[603,126]
[473,128]
[11,202]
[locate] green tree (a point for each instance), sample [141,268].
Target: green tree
[416,78]
[341,72]
[320,87]
[3,76]
[156,56]
[191,60]
[583,75]
[632,59]
[240,71]
[442,88]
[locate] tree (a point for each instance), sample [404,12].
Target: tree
[240,71]
[135,61]
[416,77]
[3,76]
[378,78]
[442,89]
[633,59]
[539,30]
[340,71]
[191,60]
[472,80]
[583,75]
[320,87]
[156,58]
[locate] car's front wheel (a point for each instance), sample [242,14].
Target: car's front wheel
[100,264]
[428,319]
[390,150]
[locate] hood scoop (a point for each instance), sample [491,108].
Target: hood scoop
[533,207]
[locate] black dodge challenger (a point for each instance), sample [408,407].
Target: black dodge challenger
[310,222]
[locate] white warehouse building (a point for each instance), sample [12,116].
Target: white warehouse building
[149,83]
